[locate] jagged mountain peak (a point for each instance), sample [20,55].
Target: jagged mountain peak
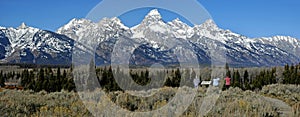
[79,21]
[30,44]
[22,29]
[177,20]
[113,23]
[209,24]
[74,24]
[154,14]
[180,29]
[179,24]
[285,38]
[151,23]
[280,38]
[2,28]
[22,26]
[153,17]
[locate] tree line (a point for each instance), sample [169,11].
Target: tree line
[105,76]
[48,79]
[291,75]
[55,79]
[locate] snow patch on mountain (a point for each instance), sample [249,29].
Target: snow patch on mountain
[157,40]
[181,30]
[156,32]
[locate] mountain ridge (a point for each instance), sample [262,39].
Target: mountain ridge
[153,35]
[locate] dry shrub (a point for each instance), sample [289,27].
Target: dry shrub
[236,103]
[142,104]
[232,102]
[296,109]
[28,103]
[287,93]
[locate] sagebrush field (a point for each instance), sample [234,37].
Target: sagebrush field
[232,102]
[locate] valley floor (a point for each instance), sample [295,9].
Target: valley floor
[272,100]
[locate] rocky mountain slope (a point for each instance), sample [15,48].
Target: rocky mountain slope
[152,41]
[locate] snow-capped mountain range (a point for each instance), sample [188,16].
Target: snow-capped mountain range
[157,42]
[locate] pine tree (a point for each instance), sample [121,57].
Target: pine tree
[168,82]
[2,80]
[246,81]
[58,80]
[228,72]
[177,78]
[45,85]
[140,78]
[58,74]
[147,77]
[236,79]
[25,80]
[70,85]
[32,81]
[186,77]
[294,75]
[286,74]
[64,79]
[52,84]
[113,84]
[104,79]
[273,76]
[40,81]
[92,78]
[227,66]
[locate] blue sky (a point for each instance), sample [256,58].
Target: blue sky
[253,18]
